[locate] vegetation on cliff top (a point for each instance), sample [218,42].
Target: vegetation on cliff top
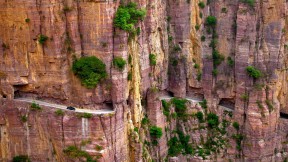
[21,158]
[127,16]
[90,70]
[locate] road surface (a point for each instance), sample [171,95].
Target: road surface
[57,106]
[187,98]
[192,100]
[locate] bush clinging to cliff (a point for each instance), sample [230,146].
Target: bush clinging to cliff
[127,16]
[253,72]
[21,158]
[90,70]
[156,132]
[211,21]
[119,63]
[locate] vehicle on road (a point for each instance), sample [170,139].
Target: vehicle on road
[71,108]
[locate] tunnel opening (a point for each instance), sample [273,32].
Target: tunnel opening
[283,115]
[108,105]
[170,94]
[227,103]
[21,91]
[4,96]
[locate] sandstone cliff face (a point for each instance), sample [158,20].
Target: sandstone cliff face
[173,30]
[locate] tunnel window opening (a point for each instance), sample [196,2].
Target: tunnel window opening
[108,105]
[171,94]
[283,115]
[19,91]
[4,96]
[227,103]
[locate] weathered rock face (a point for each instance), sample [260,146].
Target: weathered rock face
[175,31]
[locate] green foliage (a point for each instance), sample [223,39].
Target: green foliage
[213,43]
[129,77]
[230,61]
[174,62]
[244,97]
[211,21]
[86,115]
[155,132]
[196,66]
[201,4]
[180,107]
[24,119]
[187,148]
[236,125]
[199,76]
[90,70]
[98,148]
[145,121]
[249,2]
[270,105]
[203,104]
[170,38]
[27,20]
[152,59]
[127,16]
[214,72]
[197,27]
[166,108]
[175,147]
[217,58]
[177,48]
[42,39]
[74,152]
[212,120]
[119,63]
[35,106]
[259,104]
[59,112]
[224,10]
[200,116]
[238,138]
[253,72]
[21,158]
[203,38]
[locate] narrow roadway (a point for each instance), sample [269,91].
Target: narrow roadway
[57,106]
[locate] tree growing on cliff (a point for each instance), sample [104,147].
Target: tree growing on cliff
[155,132]
[119,63]
[253,72]
[127,16]
[90,70]
[21,158]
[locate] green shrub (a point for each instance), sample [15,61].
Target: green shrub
[187,148]
[119,63]
[35,106]
[211,21]
[27,20]
[253,72]
[196,66]
[230,61]
[42,39]
[166,108]
[212,120]
[59,112]
[203,104]
[244,97]
[217,58]
[175,147]
[180,107]
[238,138]
[249,2]
[177,48]
[153,59]
[145,121]
[74,152]
[86,115]
[21,158]
[90,70]
[199,76]
[259,103]
[214,72]
[127,16]
[24,119]
[236,125]
[201,4]
[155,132]
[197,27]
[270,105]
[203,38]
[224,10]
[129,77]
[98,148]
[200,116]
